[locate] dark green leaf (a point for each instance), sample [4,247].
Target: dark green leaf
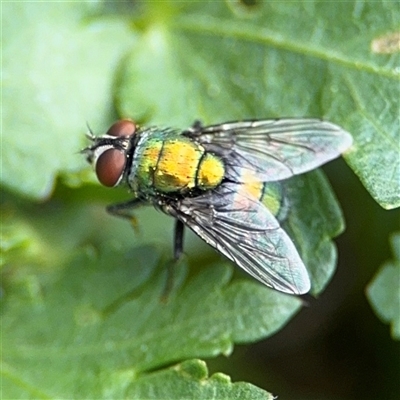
[190,380]
[104,315]
[217,62]
[98,329]
[314,219]
[384,290]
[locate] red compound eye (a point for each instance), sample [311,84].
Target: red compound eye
[110,167]
[124,127]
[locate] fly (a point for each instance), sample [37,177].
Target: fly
[223,182]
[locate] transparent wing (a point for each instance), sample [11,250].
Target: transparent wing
[273,149]
[242,228]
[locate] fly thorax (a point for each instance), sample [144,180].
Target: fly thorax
[144,163]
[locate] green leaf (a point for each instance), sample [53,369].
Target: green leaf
[101,325]
[210,60]
[314,219]
[222,61]
[384,291]
[104,316]
[99,330]
[57,73]
[190,380]
[42,237]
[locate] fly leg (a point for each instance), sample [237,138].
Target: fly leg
[124,210]
[178,239]
[197,126]
[194,131]
[178,250]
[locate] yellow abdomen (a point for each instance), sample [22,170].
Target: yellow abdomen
[183,165]
[210,172]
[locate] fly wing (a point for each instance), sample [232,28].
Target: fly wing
[272,149]
[245,231]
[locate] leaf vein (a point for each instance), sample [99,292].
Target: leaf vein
[226,28]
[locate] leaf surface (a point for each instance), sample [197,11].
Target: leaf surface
[86,312]
[384,291]
[217,61]
[57,72]
[190,380]
[104,316]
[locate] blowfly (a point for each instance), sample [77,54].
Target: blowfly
[221,181]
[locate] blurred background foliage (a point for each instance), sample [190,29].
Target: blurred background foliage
[169,63]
